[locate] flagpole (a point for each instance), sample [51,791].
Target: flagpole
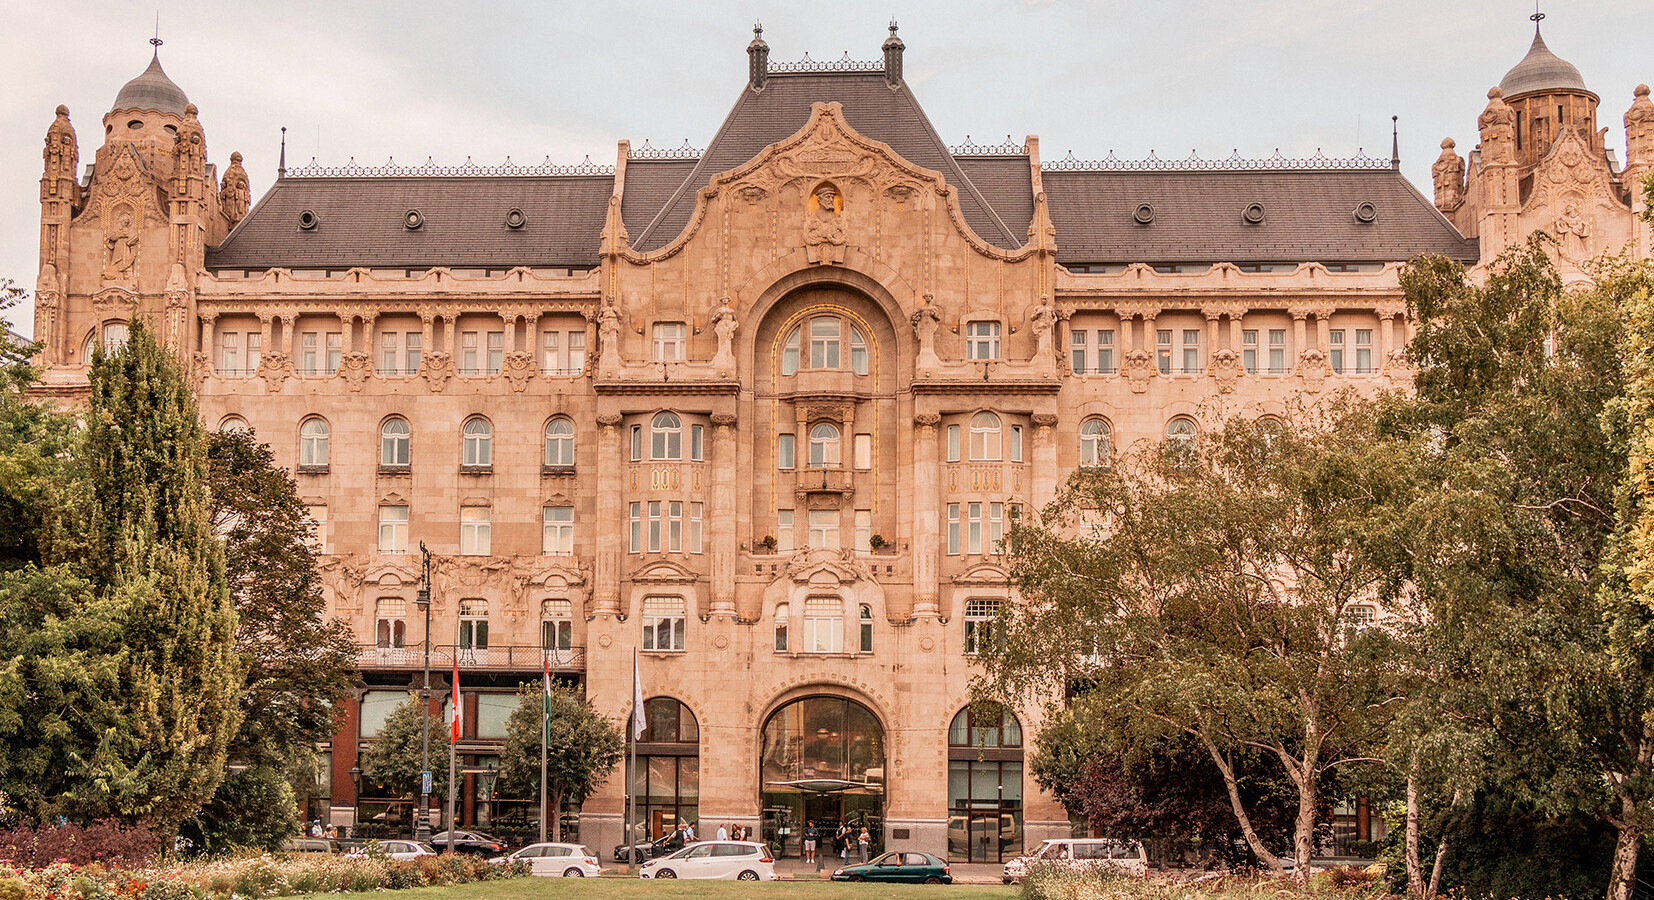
[545,742]
[631,769]
[453,744]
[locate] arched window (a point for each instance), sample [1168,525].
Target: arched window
[1271,429]
[1182,428]
[825,332]
[666,436]
[866,628]
[234,425]
[824,446]
[985,785]
[313,436]
[112,336]
[985,444]
[858,352]
[783,617]
[479,443]
[393,442]
[1095,442]
[790,351]
[559,442]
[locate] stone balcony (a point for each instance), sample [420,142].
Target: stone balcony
[496,658]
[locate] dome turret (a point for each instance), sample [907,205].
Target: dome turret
[1541,70]
[152,90]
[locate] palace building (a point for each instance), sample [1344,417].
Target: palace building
[761,412]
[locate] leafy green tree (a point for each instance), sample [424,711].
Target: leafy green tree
[393,757]
[582,748]
[36,446]
[299,665]
[253,807]
[1204,588]
[153,555]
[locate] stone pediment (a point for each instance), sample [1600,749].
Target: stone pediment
[822,566]
[983,574]
[787,178]
[664,572]
[1571,169]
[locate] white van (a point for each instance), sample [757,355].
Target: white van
[1125,857]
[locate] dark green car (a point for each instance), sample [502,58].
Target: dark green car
[899,865]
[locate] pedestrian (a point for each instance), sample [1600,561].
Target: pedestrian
[810,836]
[863,842]
[689,832]
[723,832]
[841,842]
[316,828]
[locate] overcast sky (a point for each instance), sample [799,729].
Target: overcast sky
[491,79]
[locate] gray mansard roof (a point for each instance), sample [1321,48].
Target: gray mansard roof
[1309,214]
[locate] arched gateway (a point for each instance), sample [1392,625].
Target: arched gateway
[823,759]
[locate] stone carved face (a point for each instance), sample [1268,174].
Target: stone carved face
[826,196]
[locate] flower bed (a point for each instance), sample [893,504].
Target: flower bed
[246,877]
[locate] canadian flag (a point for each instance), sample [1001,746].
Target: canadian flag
[459,708]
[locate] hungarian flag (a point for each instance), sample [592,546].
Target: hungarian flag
[545,703]
[459,708]
[640,720]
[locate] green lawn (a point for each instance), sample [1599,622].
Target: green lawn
[576,888]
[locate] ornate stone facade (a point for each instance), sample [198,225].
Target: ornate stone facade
[761,413]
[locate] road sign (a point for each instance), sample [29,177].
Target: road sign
[425,783]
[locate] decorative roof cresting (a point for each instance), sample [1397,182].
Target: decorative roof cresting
[1194,163]
[430,169]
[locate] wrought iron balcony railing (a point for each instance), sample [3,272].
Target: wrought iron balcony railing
[517,657]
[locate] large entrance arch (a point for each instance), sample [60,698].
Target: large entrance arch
[823,759]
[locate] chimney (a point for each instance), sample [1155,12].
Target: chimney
[893,47]
[758,56]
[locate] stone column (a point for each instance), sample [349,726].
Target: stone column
[448,320]
[427,342]
[1323,331]
[1386,337]
[1212,316]
[208,321]
[266,342]
[288,335]
[1298,345]
[1045,459]
[347,327]
[510,320]
[611,515]
[1235,329]
[926,482]
[722,513]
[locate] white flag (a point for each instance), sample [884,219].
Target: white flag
[640,722]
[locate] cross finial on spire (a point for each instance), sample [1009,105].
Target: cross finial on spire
[892,24]
[758,29]
[156,40]
[1537,15]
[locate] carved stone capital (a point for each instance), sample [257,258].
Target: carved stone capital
[1044,420]
[609,420]
[724,420]
[927,420]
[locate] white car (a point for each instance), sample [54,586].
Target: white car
[728,860]
[394,849]
[553,860]
[1125,857]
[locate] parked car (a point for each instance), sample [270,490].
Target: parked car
[394,849]
[309,845]
[899,866]
[567,860]
[1081,853]
[650,849]
[474,842]
[728,860]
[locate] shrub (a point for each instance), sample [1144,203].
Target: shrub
[106,841]
[252,808]
[13,889]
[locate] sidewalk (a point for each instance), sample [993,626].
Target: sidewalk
[793,869]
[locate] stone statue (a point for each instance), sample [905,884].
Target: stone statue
[724,326]
[1639,129]
[1573,230]
[926,319]
[608,329]
[1042,320]
[120,249]
[235,196]
[1448,176]
[824,235]
[1498,127]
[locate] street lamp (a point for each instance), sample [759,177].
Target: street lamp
[356,796]
[489,774]
[422,827]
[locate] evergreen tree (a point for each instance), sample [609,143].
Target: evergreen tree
[153,554]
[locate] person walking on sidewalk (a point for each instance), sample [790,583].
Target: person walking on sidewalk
[863,842]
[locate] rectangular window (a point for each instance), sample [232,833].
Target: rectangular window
[388,354]
[635,515]
[864,530]
[784,530]
[1249,350]
[825,334]
[979,618]
[674,527]
[953,443]
[1016,443]
[393,529]
[335,351]
[982,340]
[558,537]
[664,622]
[694,545]
[823,625]
[1163,350]
[973,528]
[824,529]
[255,351]
[473,624]
[864,451]
[654,526]
[784,458]
[697,436]
[669,340]
[416,353]
[390,626]
[557,624]
[1105,352]
[953,529]
[1079,349]
[577,353]
[637,443]
[229,354]
[996,528]
[496,352]
[1191,351]
[468,349]
[1364,351]
[551,353]
[316,519]
[474,530]
[1335,350]
[1277,351]
[309,364]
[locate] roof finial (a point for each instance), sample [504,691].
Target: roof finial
[758,58]
[1395,143]
[893,56]
[892,24]
[156,40]
[281,166]
[1537,16]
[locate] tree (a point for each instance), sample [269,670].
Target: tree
[1204,588]
[582,748]
[36,445]
[393,758]
[253,807]
[1525,557]
[299,665]
[153,555]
